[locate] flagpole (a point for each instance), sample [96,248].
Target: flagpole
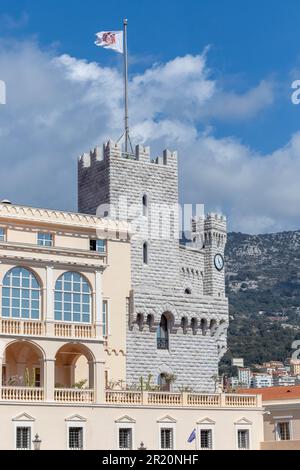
[126,133]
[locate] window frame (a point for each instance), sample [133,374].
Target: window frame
[76,424]
[127,424]
[246,430]
[23,424]
[243,427]
[25,295]
[145,205]
[43,244]
[96,240]
[72,293]
[163,341]
[167,426]
[145,253]
[2,229]
[205,427]
[125,428]
[286,420]
[105,323]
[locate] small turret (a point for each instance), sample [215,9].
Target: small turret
[215,236]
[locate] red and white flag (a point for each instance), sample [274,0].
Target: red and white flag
[110,40]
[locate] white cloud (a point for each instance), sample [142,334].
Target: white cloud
[233,106]
[59,107]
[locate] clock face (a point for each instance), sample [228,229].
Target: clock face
[219,262]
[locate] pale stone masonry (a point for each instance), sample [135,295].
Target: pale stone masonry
[183,283]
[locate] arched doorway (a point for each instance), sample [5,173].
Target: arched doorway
[23,365]
[74,367]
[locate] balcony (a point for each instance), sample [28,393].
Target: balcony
[36,394]
[72,395]
[27,376]
[16,327]
[196,400]
[30,394]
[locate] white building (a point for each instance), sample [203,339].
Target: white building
[261,380]
[284,380]
[244,376]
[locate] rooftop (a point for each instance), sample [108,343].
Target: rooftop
[63,218]
[274,393]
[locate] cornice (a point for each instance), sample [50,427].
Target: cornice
[61,218]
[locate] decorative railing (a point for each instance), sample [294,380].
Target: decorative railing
[241,400]
[84,331]
[126,398]
[9,326]
[22,393]
[20,327]
[197,400]
[160,398]
[73,395]
[70,330]
[63,330]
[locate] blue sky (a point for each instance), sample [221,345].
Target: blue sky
[241,97]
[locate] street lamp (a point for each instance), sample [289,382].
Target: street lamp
[36,442]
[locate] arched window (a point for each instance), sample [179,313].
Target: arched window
[163,383]
[72,298]
[21,294]
[145,205]
[145,253]
[163,334]
[194,325]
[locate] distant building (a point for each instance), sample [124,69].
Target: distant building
[244,376]
[261,380]
[238,361]
[234,382]
[284,380]
[295,366]
[282,418]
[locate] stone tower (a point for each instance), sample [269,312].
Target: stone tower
[178,312]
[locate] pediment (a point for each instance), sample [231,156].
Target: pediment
[23,417]
[125,419]
[167,419]
[76,418]
[206,421]
[243,421]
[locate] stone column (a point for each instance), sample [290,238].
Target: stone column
[49,379]
[49,314]
[97,378]
[98,303]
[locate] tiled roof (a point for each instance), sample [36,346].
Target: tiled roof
[274,393]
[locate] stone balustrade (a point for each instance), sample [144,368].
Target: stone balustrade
[197,400]
[17,327]
[73,395]
[31,394]
[112,397]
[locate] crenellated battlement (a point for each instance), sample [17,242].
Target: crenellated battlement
[211,229]
[215,221]
[113,149]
